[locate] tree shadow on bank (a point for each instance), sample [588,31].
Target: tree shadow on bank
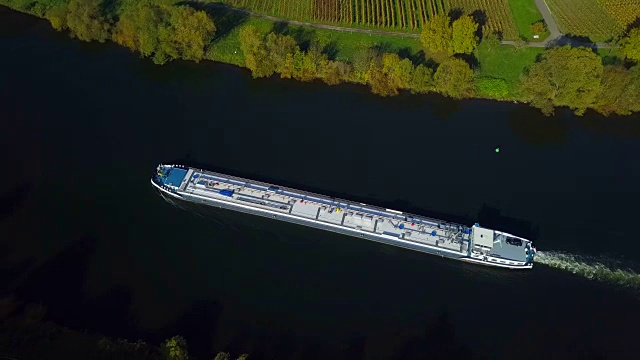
[225,18]
[455,13]
[480,17]
[573,41]
[304,37]
[632,25]
[469,59]
[417,58]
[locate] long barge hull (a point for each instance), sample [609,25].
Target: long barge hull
[473,244]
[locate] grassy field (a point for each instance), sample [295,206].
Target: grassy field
[345,45]
[525,13]
[600,20]
[402,15]
[506,62]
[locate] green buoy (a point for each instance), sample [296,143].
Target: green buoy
[497,149]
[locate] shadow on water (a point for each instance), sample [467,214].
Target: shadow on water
[355,348]
[532,127]
[59,283]
[622,127]
[11,274]
[13,199]
[10,203]
[197,325]
[281,345]
[438,342]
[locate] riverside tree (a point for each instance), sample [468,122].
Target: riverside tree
[421,80]
[86,20]
[464,39]
[619,90]
[57,16]
[454,78]
[256,56]
[437,34]
[564,76]
[164,32]
[186,34]
[630,45]
[175,348]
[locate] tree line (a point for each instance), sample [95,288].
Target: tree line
[576,78]
[386,73]
[564,76]
[160,32]
[25,334]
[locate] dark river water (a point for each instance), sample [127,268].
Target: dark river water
[82,230]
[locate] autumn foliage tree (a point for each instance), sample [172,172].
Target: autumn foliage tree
[164,32]
[564,76]
[86,20]
[255,52]
[630,45]
[279,53]
[538,27]
[185,33]
[388,73]
[437,34]
[619,90]
[464,39]
[454,78]
[57,16]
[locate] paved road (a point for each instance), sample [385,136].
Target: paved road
[555,39]
[549,20]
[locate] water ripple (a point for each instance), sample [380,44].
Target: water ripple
[595,268]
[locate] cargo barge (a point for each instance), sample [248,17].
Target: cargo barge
[473,244]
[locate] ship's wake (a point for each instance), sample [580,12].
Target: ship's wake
[594,268]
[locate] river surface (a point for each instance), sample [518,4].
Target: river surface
[82,127]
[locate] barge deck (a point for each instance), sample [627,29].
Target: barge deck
[472,244]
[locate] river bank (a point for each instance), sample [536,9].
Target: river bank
[493,71]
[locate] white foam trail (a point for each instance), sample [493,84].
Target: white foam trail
[595,268]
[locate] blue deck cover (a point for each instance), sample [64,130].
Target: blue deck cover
[226,192]
[175,177]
